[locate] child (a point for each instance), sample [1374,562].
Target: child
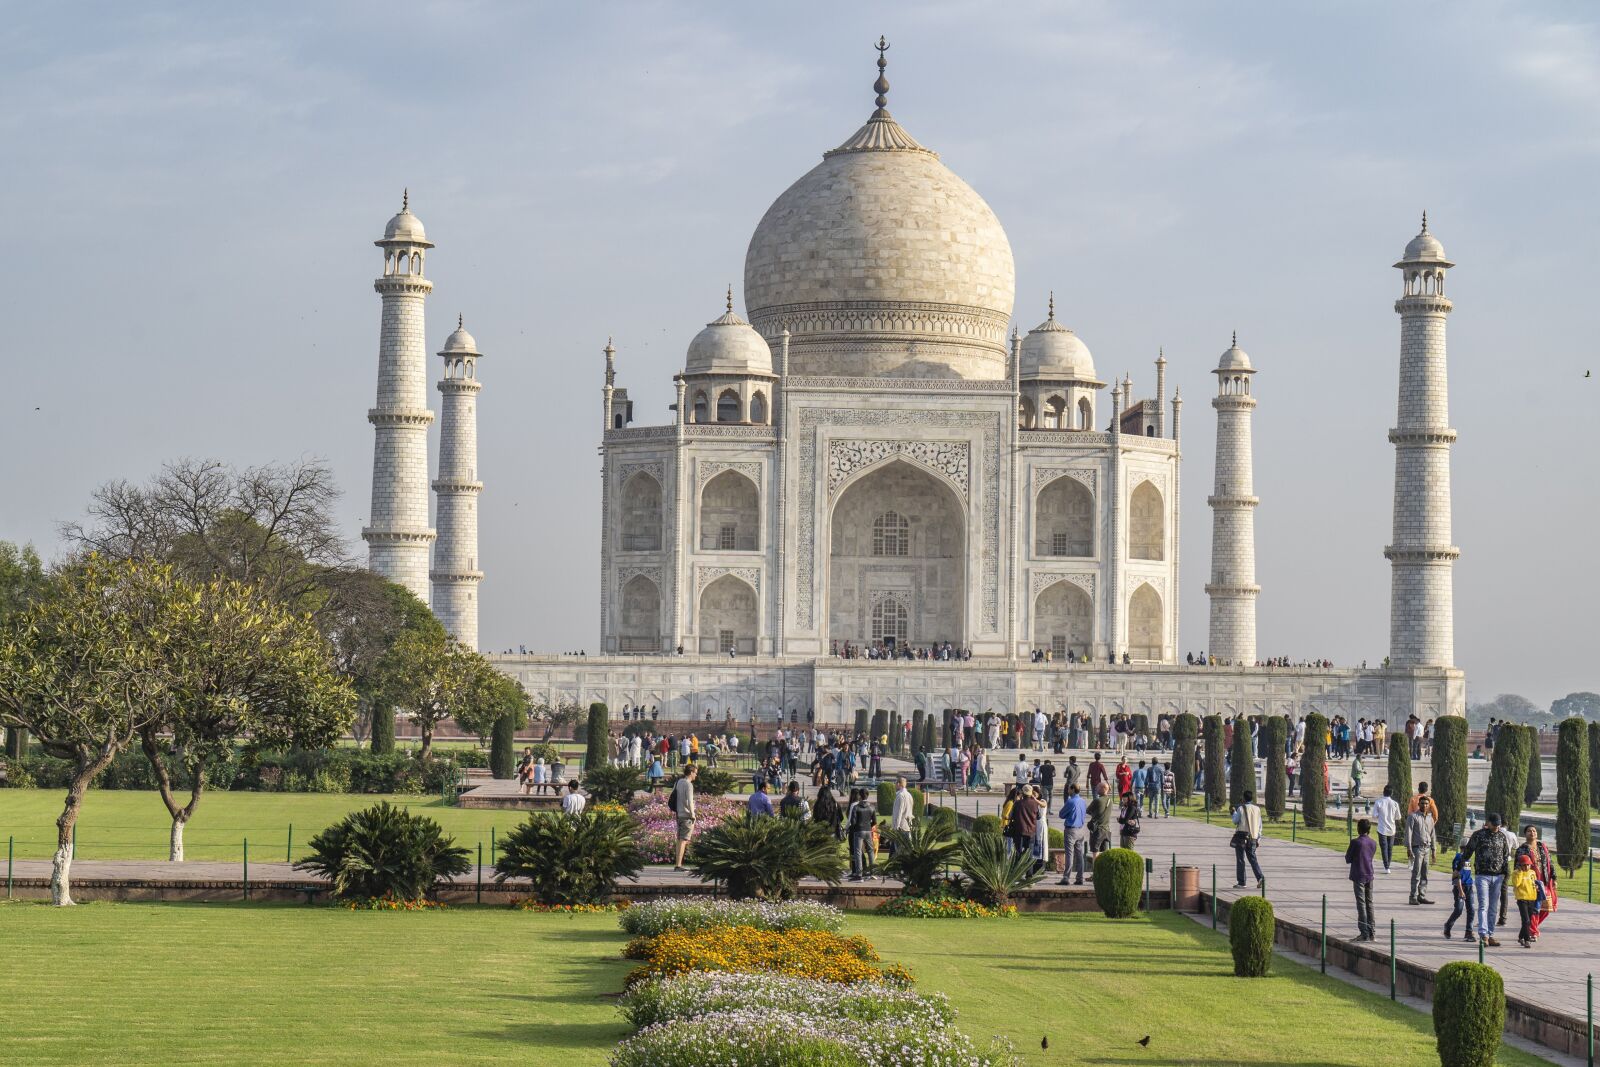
[1460,893]
[1525,884]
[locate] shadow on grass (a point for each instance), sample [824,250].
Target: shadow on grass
[554,1035]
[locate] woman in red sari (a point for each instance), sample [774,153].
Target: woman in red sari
[1543,869]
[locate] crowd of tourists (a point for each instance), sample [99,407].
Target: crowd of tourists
[939,651]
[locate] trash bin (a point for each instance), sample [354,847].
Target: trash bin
[1186,889]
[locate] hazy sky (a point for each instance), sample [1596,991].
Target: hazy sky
[192,192]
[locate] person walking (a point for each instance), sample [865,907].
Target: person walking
[1246,839]
[1024,821]
[1100,809]
[1154,784]
[793,805]
[1460,893]
[1128,819]
[903,813]
[681,801]
[1419,846]
[1358,771]
[1358,854]
[1047,784]
[862,820]
[1386,819]
[1543,869]
[1525,886]
[1075,831]
[1490,860]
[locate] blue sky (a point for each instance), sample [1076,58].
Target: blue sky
[193,191]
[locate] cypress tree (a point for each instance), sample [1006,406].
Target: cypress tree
[1572,794]
[1314,774]
[1594,765]
[598,738]
[1276,731]
[894,732]
[1449,780]
[861,721]
[918,742]
[879,723]
[382,739]
[1508,774]
[1242,763]
[1534,786]
[1400,769]
[503,747]
[1216,789]
[929,730]
[1184,731]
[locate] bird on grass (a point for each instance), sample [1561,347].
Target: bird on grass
[1145,1041]
[1044,1042]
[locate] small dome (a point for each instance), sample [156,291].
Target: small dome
[460,342]
[1424,247]
[1052,351]
[728,345]
[405,227]
[1235,359]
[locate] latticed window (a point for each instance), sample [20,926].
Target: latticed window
[891,535]
[1058,646]
[889,621]
[726,538]
[1058,544]
[725,641]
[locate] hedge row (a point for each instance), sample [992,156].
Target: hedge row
[339,770]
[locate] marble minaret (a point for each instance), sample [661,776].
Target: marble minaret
[398,536]
[1421,555]
[455,572]
[1233,587]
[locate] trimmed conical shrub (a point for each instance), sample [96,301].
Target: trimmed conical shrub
[1449,782]
[1185,730]
[1572,794]
[1469,1011]
[917,740]
[598,738]
[1216,788]
[1400,769]
[1241,763]
[1508,774]
[1250,936]
[1533,788]
[1314,774]
[503,747]
[1118,880]
[1276,729]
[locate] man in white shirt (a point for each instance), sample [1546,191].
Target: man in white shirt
[1022,770]
[574,802]
[1040,723]
[902,814]
[1386,821]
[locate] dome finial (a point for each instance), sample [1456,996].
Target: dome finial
[881,86]
[1052,314]
[405,199]
[730,296]
[1424,221]
[1235,339]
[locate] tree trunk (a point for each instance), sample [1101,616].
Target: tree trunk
[180,815]
[61,868]
[175,849]
[427,743]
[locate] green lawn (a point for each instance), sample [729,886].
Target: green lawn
[154,983]
[119,824]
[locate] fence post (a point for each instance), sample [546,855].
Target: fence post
[1392,966]
[491,844]
[1323,955]
[1149,868]
[479,870]
[1589,1030]
[288,850]
[1294,823]
[1349,830]
[1213,896]
[1263,888]
[247,868]
[10,846]
[1172,884]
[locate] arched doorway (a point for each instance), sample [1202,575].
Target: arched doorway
[728,617]
[1146,635]
[641,616]
[898,544]
[729,514]
[1063,621]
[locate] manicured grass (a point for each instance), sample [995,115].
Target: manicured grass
[162,983]
[125,824]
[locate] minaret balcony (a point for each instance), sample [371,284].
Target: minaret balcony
[403,284]
[414,417]
[459,576]
[1423,304]
[1443,435]
[374,535]
[456,485]
[1233,501]
[1215,589]
[1421,553]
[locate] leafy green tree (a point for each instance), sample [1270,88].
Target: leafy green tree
[496,708]
[1400,769]
[1508,773]
[1533,788]
[84,669]
[1276,728]
[1572,794]
[1314,773]
[1584,705]
[1241,764]
[598,753]
[1216,787]
[240,666]
[22,579]
[1185,729]
[438,677]
[1449,782]
[363,623]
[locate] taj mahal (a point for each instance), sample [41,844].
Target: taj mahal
[879,489]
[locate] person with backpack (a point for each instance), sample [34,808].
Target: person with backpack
[1491,859]
[861,821]
[1128,819]
[793,805]
[1460,893]
[681,802]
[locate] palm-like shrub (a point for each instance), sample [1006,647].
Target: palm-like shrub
[1118,879]
[610,784]
[1314,774]
[1469,1011]
[1184,731]
[571,859]
[765,857]
[1400,769]
[918,855]
[992,873]
[1250,936]
[1450,775]
[384,851]
[1572,795]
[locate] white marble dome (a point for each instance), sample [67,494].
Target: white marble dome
[460,342]
[1235,359]
[882,262]
[405,227]
[728,345]
[1050,350]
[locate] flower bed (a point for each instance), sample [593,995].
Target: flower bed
[390,904]
[653,917]
[529,904]
[687,996]
[777,1039]
[658,824]
[944,908]
[816,954]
